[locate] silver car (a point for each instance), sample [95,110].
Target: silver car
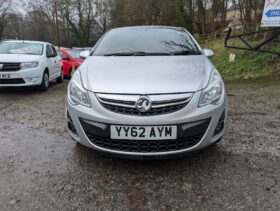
[147,92]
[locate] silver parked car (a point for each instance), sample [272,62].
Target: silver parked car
[147,92]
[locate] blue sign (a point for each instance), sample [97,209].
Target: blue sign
[273,13]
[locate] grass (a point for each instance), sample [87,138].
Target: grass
[246,65]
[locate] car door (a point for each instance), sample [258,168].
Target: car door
[51,62]
[57,62]
[67,63]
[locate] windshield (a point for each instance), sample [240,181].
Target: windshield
[21,48]
[61,54]
[146,41]
[75,54]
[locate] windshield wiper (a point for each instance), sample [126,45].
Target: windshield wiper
[142,53]
[185,52]
[132,53]
[136,53]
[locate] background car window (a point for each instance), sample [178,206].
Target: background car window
[54,51]
[49,51]
[62,54]
[75,54]
[21,48]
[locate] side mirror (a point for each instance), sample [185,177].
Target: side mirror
[209,53]
[85,54]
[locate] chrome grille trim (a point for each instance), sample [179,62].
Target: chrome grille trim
[161,104]
[111,102]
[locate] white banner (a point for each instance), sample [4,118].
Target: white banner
[271,14]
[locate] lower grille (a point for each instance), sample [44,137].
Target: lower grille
[145,145]
[7,67]
[189,135]
[12,81]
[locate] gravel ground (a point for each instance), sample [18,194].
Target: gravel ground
[41,168]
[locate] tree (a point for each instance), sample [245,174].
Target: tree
[5,8]
[83,22]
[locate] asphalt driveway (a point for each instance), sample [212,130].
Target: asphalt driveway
[41,168]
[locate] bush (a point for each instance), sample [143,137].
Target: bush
[247,64]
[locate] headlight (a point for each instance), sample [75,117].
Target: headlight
[76,92]
[213,93]
[25,65]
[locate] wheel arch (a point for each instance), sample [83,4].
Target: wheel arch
[47,70]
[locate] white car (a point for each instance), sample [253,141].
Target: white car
[29,63]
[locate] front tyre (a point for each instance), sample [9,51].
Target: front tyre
[44,86]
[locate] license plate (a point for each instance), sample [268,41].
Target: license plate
[143,132]
[4,76]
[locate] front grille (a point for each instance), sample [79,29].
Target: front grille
[152,111]
[8,67]
[189,135]
[12,81]
[160,104]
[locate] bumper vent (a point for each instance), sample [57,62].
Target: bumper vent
[71,125]
[160,104]
[220,125]
[146,145]
[12,81]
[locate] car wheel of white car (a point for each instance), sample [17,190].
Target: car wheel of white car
[61,77]
[45,82]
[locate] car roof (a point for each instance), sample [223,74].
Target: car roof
[26,41]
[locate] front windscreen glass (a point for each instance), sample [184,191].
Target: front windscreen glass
[146,41]
[21,48]
[75,54]
[61,54]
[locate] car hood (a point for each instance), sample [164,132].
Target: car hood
[18,58]
[145,74]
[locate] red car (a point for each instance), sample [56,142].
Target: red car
[71,60]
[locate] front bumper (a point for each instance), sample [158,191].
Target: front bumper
[197,129]
[23,77]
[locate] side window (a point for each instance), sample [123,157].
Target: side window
[49,51]
[54,51]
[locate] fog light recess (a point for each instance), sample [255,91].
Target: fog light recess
[71,125]
[220,126]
